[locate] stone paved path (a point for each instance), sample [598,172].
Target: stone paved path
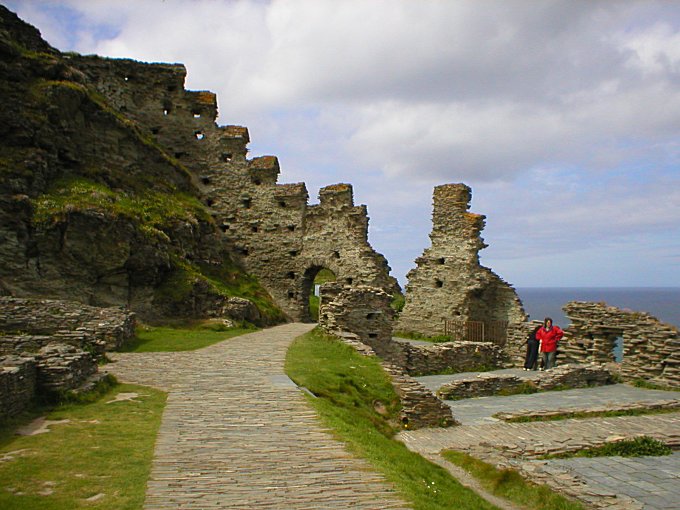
[237,433]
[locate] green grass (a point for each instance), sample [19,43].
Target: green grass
[172,339]
[637,447]
[105,448]
[356,400]
[509,484]
[642,383]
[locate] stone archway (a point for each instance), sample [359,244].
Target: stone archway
[313,277]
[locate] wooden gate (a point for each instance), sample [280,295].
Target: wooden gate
[477,331]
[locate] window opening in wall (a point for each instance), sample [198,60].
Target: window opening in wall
[291,228]
[197,115]
[371,315]
[336,254]
[373,335]
[617,349]
[209,202]
[199,135]
[290,275]
[293,253]
[312,281]
[441,260]
[155,130]
[205,180]
[257,182]
[349,281]
[247,203]
[172,88]
[282,203]
[227,157]
[225,227]
[127,78]
[254,228]
[291,294]
[438,283]
[166,111]
[244,252]
[179,155]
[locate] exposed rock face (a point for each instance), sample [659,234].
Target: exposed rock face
[448,282]
[651,348]
[118,188]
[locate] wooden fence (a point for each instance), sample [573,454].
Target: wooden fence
[477,331]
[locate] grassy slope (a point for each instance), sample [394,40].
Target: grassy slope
[104,449]
[350,388]
[165,339]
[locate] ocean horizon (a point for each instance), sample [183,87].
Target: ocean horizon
[661,302]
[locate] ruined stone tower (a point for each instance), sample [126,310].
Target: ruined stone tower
[448,282]
[270,228]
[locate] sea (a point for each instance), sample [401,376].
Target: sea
[661,302]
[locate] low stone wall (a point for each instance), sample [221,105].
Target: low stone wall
[449,357]
[651,348]
[62,368]
[420,408]
[111,326]
[17,384]
[31,344]
[565,376]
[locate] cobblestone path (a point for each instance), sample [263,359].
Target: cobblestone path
[237,433]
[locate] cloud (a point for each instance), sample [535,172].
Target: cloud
[562,114]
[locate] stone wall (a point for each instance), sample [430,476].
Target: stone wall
[361,317]
[449,283]
[270,228]
[17,384]
[564,376]
[64,321]
[651,348]
[450,357]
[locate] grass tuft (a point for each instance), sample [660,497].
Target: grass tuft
[509,484]
[356,400]
[638,447]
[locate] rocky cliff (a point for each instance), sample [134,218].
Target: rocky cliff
[118,188]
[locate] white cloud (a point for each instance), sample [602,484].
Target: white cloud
[574,99]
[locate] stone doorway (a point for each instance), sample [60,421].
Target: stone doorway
[314,277]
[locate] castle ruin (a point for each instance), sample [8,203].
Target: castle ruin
[449,284]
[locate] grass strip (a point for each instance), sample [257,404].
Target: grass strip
[509,484]
[567,415]
[638,447]
[642,383]
[355,399]
[168,339]
[100,458]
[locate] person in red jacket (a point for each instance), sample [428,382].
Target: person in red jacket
[548,336]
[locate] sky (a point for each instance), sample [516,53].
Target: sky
[563,116]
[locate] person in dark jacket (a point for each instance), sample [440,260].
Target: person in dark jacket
[548,335]
[532,350]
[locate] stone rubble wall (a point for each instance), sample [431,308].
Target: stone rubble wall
[361,317]
[269,228]
[419,407]
[448,282]
[17,384]
[651,348]
[63,367]
[67,321]
[48,347]
[451,357]
[565,376]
